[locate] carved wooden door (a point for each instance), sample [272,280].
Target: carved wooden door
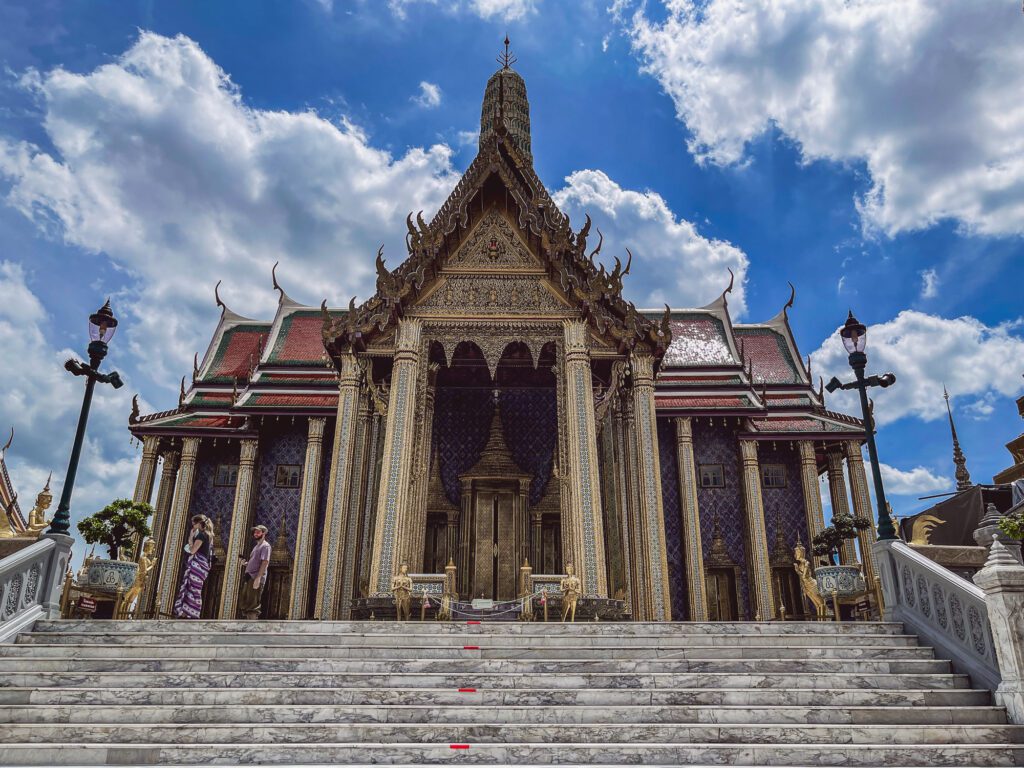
[494,561]
[721,589]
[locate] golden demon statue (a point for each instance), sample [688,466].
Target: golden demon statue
[571,588]
[808,584]
[401,586]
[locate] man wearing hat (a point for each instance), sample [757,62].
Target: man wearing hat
[255,574]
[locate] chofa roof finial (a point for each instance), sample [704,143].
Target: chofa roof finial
[506,59]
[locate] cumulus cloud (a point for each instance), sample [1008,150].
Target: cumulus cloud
[929,284]
[673,262]
[41,401]
[159,164]
[506,10]
[429,96]
[924,93]
[917,481]
[925,351]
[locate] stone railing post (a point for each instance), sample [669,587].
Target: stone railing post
[1002,579]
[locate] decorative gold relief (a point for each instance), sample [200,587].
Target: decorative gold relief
[493,245]
[491,295]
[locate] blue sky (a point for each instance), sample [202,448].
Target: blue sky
[867,152]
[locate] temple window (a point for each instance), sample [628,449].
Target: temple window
[287,476]
[773,475]
[227,474]
[712,476]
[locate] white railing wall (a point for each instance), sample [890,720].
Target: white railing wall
[30,584]
[945,610]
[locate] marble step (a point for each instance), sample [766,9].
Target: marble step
[504,733]
[472,664]
[618,629]
[503,651]
[245,694]
[269,714]
[861,755]
[257,678]
[452,640]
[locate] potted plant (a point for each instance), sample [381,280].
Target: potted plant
[1012,524]
[845,580]
[117,526]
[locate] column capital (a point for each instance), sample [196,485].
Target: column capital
[150,447]
[577,340]
[748,452]
[807,453]
[171,460]
[189,448]
[349,372]
[249,450]
[684,429]
[834,457]
[410,331]
[851,449]
[642,364]
[315,430]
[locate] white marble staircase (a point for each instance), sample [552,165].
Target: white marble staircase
[788,694]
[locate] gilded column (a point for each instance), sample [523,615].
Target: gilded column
[353,528]
[812,492]
[241,517]
[840,500]
[308,503]
[164,497]
[861,506]
[624,500]
[370,503]
[328,588]
[759,573]
[691,520]
[639,558]
[585,514]
[393,497]
[177,524]
[147,470]
[144,480]
[416,527]
[652,512]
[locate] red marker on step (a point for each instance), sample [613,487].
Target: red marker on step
[459,746]
[467,690]
[471,647]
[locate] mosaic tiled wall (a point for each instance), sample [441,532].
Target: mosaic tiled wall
[462,420]
[214,501]
[284,444]
[784,506]
[717,444]
[674,545]
[530,423]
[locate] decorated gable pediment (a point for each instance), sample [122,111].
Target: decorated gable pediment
[493,246]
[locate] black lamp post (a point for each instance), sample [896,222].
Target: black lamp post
[102,325]
[854,335]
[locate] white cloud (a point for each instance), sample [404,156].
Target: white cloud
[925,351]
[159,164]
[673,263]
[982,408]
[929,284]
[468,138]
[429,96]
[908,482]
[841,285]
[41,401]
[506,10]
[925,93]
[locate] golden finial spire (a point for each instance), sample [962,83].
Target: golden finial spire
[506,59]
[963,477]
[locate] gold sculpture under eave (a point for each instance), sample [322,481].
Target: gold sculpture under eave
[401,586]
[146,564]
[571,588]
[808,584]
[37,521]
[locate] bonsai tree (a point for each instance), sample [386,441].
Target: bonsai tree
[843,528]
[116,525]
[1013,525]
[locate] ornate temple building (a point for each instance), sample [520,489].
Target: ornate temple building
[497,400]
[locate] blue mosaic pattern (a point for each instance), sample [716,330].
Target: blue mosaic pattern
[389,476]
[674,544]
[284,445]
[784,506]
[590,579]
[718,445]
[214,501]
[462,422]
[326,456]
[530,423]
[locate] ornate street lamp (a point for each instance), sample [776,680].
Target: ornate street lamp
[855,339]
[102,325]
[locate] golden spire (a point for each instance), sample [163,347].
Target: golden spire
[963,477]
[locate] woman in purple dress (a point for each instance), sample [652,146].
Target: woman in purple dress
[189,603]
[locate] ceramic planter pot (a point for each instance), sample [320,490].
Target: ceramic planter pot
[111,575]
[846,580]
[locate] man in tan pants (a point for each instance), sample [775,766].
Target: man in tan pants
[255,574]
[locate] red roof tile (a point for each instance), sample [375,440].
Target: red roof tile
[695,401]
[769,354]
[697,340]
[299,341]
[263,399]
[239,349]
